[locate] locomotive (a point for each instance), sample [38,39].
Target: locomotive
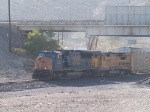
[60,64]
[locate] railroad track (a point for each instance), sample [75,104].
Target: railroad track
[20,85]
[37,80]
[17,82]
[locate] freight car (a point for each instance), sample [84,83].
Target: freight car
[139,59]
[57,64]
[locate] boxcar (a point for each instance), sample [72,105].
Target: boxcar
[140,60]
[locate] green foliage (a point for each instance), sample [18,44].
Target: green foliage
[40,40]
[49,34]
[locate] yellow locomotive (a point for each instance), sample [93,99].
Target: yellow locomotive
[105,62]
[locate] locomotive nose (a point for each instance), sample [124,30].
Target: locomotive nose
[43,63]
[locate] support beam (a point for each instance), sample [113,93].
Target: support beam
[87,42]
[97,30]
[96,41]
[91,42]
[62,39]
[58,38]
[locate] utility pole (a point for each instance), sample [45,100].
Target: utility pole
[58,38]
[90,13]
[62,39]
[38,8]
[68,12]
[9,26]
[22,8]
[99,9]
[85,10]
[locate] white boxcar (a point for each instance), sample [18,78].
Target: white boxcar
[139,59]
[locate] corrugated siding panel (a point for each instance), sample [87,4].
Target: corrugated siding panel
[141,60]
[125,15]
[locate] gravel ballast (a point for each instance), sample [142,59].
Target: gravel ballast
[110,94]
[95,101]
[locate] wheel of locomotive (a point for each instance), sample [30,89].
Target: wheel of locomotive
[56,76]
[126,72]
[107,73]
[42,76]
[122,72]
[83,74]
[50,76]
[98,74]
[102,74]
[64,74]
[47,76]
[93,73]
[88,74]
[129,72]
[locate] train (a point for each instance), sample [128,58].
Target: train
[69,63]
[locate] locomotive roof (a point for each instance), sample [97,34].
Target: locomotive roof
[140,49]
[115,54]
[90,53]
[57,52]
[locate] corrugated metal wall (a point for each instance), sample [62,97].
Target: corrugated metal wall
[141,59]
[127,15]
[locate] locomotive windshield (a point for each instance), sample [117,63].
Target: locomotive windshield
[41,54]
[49,54]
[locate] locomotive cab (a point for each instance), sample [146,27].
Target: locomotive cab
[47,62]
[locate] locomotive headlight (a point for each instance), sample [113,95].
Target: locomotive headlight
[45,68]
[35,67]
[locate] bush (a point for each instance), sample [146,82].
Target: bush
[19,51]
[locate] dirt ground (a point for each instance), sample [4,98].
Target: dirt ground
[109,94]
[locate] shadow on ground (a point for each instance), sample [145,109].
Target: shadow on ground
[93,81]
[78,82]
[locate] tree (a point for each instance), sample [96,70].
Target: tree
[40,40]
[49,34]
